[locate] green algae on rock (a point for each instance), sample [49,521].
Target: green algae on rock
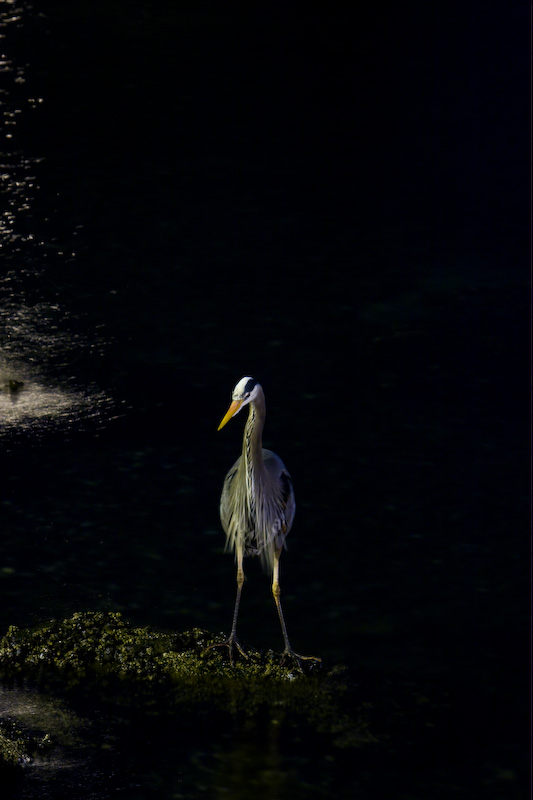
[14,747]
[17,748]
[102,654]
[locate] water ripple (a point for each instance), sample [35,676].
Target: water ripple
[45,349]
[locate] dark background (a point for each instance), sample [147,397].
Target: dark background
[336,203]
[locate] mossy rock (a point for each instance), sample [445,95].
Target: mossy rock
[100,655]
[14,746]
[17,748]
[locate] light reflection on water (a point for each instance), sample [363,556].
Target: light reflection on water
[41,384]
[37,355]
[35,406]
[18,181]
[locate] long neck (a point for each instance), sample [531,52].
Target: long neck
[252,454]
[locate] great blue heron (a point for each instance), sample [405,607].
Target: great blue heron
[257,504]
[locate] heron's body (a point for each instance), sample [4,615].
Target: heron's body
[257,531]
[257,504]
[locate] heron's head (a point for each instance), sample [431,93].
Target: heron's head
[244,392]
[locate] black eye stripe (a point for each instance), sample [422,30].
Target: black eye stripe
[249,386]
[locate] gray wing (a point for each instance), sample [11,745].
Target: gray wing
[282,506]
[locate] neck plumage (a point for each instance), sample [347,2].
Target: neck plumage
[252,452]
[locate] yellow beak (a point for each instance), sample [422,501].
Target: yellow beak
[232,410]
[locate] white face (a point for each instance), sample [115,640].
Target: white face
[246,391]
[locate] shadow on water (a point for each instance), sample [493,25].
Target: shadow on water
[98,753]
[416,746]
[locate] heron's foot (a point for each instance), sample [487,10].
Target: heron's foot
[296,658]
[231,643]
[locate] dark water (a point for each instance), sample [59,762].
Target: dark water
[335,204]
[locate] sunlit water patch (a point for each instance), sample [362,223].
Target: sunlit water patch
[32,406]
[43,372]
[47,353]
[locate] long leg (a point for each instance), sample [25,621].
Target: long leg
[232,640]
[233,635]
[276,591]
